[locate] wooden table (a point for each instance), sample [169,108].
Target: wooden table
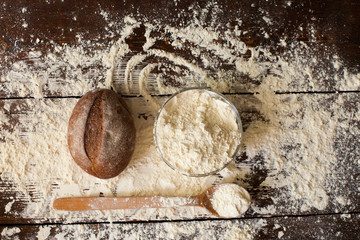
[328,28]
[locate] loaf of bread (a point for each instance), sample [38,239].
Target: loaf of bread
[101,133]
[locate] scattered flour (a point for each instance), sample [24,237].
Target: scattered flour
[201,230]
[43,233]
[204,230]
[197,132]
[9,232]
[345,216]
[286,140]
[230,200]
[8,206]
[341,200]
[42,123]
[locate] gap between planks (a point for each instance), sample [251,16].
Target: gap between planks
[166,95]
[183,220]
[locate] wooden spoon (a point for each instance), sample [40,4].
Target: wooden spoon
[106,203]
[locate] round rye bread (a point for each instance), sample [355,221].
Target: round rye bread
[101,134]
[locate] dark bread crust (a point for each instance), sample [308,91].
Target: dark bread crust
[101,134]
[94,128]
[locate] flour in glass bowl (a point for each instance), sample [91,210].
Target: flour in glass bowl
[197,132]
[35,144]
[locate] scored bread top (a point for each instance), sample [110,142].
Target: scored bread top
[101,134]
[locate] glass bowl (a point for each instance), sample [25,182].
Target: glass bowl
[214,95]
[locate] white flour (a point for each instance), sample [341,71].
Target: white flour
[197,132]
[230,200]
[201,230]
[8,206]
[35,157]
[43,233]
[9,232]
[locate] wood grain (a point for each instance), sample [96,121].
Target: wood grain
[342,182]
[328,28]
[338,226]
[336,29]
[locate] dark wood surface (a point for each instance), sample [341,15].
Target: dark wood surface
[306,227]
[337,28]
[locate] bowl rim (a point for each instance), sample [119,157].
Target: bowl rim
[238,121]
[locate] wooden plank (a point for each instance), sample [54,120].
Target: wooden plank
[55,23]
[335,21]
[341,184]
[339,226]
[31,30]
[39,74]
